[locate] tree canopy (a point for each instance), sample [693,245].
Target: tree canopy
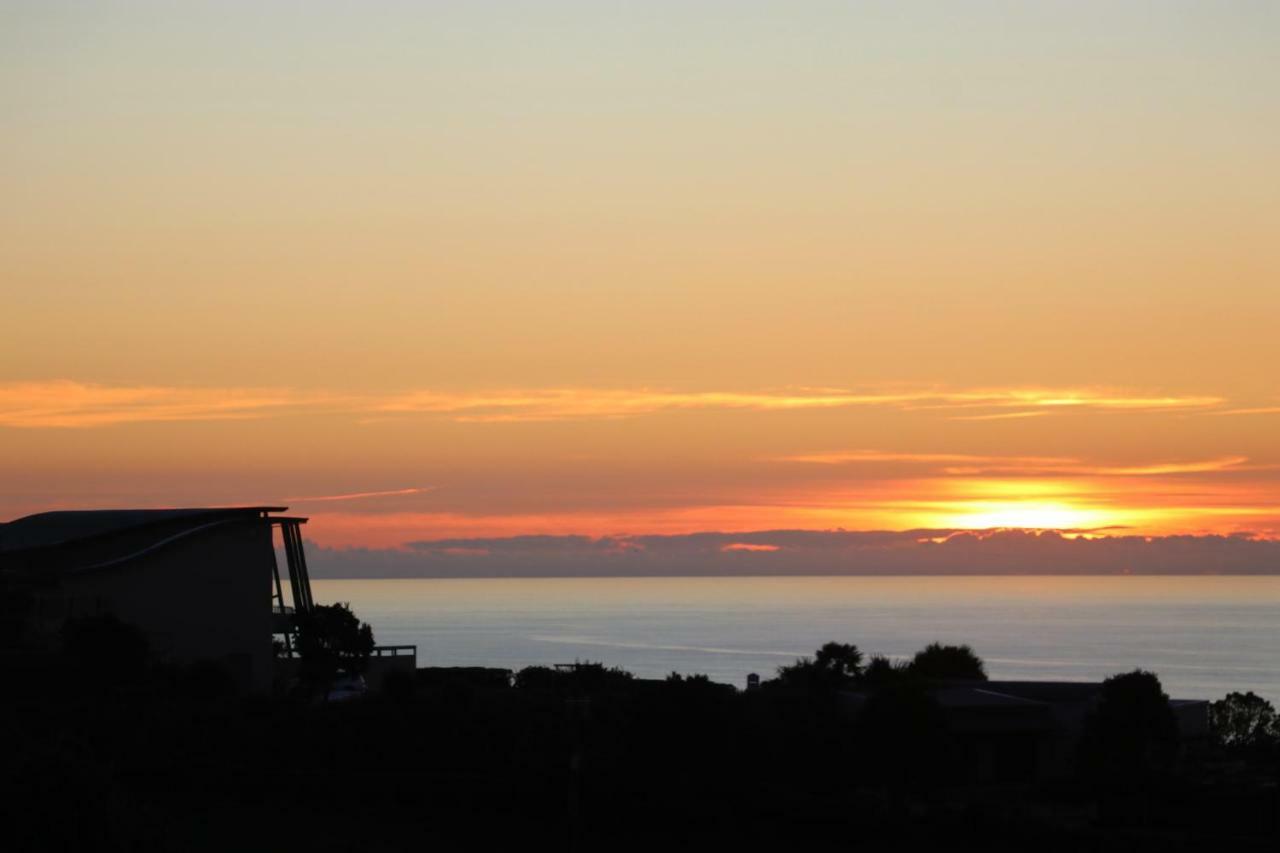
[842,665]
[1133,731]
[1244,720]
[832,666]
[938,661]
[332,639]
[881,671]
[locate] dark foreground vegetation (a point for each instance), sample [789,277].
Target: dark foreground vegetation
[108,750]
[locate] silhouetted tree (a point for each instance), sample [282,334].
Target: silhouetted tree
[833,666]
[1133,732]
[938,661]
[537,678]
[880,671]
[1244,721]
[841,659]
[331,639]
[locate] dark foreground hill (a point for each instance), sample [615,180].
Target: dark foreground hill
[587,759]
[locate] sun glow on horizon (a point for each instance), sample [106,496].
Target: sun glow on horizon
[1031,515]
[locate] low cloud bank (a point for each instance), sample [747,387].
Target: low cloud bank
[806,552]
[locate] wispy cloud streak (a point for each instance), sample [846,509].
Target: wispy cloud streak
[66,404]
[355,496]
[1002,416]
[843,457]
[1256,410]
[962,463]
[585,403]
[70,404]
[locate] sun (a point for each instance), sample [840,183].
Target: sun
[1043,515]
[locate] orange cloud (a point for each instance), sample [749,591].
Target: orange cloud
[585,403]
[970,464]
[66,404]
[391,530]
[842,457]
[1208,465]
[361,495]
[1000,416]
[1256,410]
[69,404]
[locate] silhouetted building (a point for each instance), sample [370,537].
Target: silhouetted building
[1022,731]
[194,581]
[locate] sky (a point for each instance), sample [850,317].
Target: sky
[453,271]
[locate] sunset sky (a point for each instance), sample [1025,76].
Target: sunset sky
[441,270]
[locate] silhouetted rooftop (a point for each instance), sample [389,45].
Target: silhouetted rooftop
[49,529]
[1046,691]
[981,697]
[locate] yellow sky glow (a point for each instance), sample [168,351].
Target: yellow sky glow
[590,268]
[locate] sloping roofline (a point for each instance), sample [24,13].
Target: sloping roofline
[63,527]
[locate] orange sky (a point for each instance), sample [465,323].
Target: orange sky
[424,272]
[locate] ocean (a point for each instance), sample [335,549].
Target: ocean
[1204,636]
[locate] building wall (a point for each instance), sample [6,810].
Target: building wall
[204,597]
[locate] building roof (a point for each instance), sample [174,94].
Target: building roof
[978,697]
[50,530]
[1055,692]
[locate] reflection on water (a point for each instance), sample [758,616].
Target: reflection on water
[1204,636]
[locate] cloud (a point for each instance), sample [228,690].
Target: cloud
[1256,410]
[970,464]
[845,457]
[811,552]
[66,404]
[591,403]
[70,404]
[355,496]
[1001,416]
[587,403]
[1204,466]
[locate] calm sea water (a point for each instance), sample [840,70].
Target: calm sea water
[1204,636]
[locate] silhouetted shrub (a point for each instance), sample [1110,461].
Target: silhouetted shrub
[688,680]
[1244,721]
[579,677]
[1132,733]
[538,678]
[938,661]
